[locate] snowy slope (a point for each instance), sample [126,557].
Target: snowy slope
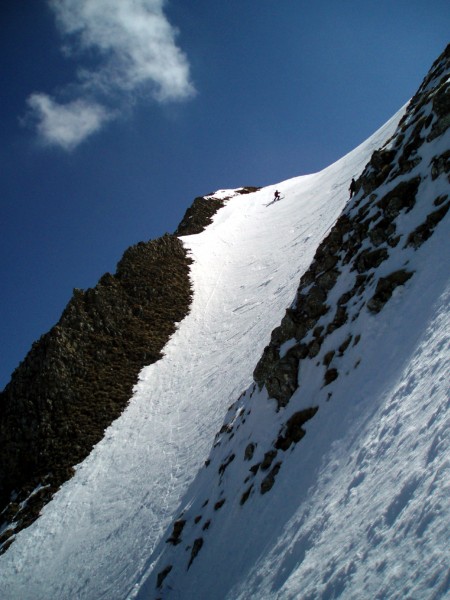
[361,509]
[93,540]
[358,507]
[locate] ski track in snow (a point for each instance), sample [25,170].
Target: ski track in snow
[94,540]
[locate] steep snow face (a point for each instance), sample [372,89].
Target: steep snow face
[96,538]
[330,477]
[359,507]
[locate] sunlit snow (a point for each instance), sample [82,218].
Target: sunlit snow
[375,458]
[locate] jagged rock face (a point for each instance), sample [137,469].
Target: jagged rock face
[363,238]
[199,215]
[79,376]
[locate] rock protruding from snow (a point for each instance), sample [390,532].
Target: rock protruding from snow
[364,236]
[369,255]
[79,376]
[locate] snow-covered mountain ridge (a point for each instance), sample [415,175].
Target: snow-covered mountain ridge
[367,257]
[328,476]
[78,377]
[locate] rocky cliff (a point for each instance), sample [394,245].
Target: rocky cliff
[79,377]
[366,235]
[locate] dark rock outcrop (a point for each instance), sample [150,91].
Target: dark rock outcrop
[361,240]
[178,527]
[78,378]
[198,543]
[199,215]
[162,575]
[293,430]
[385,288]
[269,480]
[424,231]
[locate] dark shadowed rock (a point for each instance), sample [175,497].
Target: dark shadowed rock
[293,430]
[162,575]
[245,496]
[424,231]
[268,481]
[330,376]
[249,451]
[402,197]
[178,527]
[198,543]
[385,288]
[199,215]
[440,164]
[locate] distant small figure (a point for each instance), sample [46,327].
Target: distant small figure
[276,196]
[352,187]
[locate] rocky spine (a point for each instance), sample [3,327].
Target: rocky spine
[78,378]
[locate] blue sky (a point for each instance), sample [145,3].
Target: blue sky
[116,114]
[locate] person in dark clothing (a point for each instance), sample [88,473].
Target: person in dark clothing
[352,187]
[276,195]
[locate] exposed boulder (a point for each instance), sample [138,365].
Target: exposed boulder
[269,480]
[268,459]
[330,376]
[377,171]
[198,544]
[370,259]
[246,495]
[424,231]
[293,430]
[403,196]
[219,504]
[385,288]
[249,451]
[440,164]
[178,527]
[162,575]
[360,241]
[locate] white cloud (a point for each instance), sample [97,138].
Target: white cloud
[134,48]
[66,125]
[135,41]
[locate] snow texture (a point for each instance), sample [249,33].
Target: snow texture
[360,506]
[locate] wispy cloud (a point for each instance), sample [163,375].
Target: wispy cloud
[135,53]
[66,125]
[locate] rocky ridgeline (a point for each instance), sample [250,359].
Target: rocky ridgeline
[356,268]
[80,375]
[364,237]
